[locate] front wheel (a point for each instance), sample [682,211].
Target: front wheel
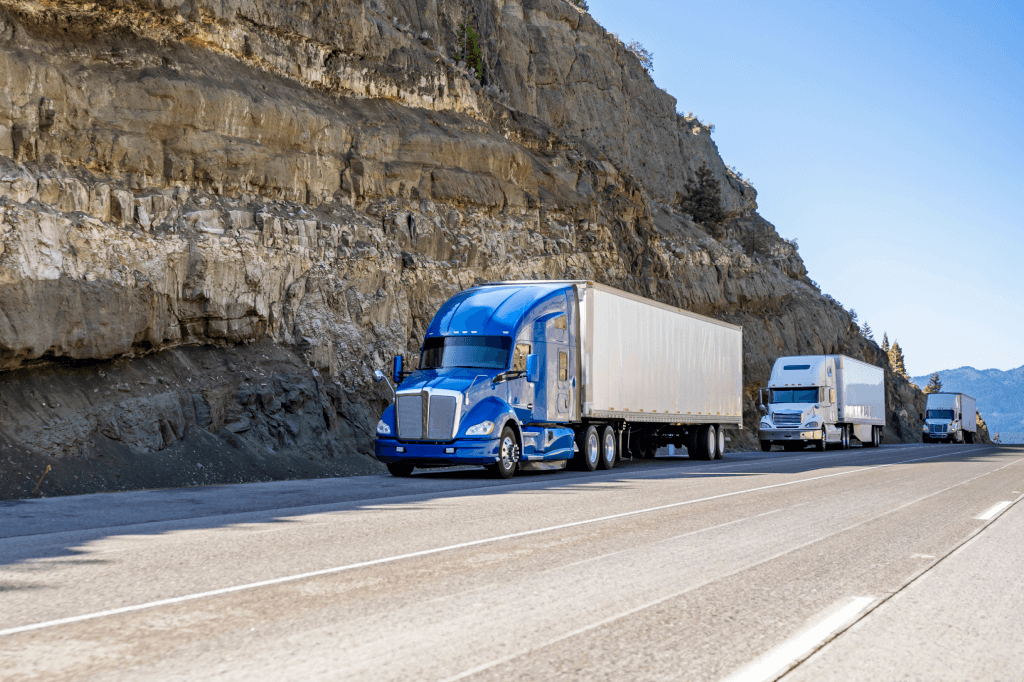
[766,446]
[823,443]
[400,469]
[608,448]
[508,454]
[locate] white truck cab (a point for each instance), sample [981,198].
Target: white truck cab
[822,400]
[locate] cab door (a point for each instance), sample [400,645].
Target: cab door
[520,391]
[553,397]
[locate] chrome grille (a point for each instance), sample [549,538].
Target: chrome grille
[937,428]
[442,417]
[787,420]
[410,416]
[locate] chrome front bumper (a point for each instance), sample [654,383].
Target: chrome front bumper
[789,434]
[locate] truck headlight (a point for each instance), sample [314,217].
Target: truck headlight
[924,427]
[811,423]
[765,424]
[481,429]
[383,429]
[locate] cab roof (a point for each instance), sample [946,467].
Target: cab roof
[492,309]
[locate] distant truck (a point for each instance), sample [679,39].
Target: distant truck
[822,400]
[533,374]
[950,418]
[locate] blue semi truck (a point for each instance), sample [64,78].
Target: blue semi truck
[534,375]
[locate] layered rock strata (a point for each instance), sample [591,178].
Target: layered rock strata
[178,174]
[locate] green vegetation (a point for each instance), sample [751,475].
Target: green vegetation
[703,199]
[896,360]
[934,384]
[582,4]
[469,48]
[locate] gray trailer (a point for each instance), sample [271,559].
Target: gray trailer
[671,377]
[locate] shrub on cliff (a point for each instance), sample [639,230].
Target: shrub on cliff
[469,46]
[703,199]
[645,56]
[582,4]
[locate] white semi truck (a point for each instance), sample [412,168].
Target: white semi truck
[950,418]
[822,400]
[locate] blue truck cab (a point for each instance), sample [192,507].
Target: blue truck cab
[497,384]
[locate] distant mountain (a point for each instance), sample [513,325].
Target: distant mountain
[1000,397]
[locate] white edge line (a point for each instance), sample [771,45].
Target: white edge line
[427,552]
[987,516]
[776,661]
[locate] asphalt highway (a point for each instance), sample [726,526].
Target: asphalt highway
[902,562]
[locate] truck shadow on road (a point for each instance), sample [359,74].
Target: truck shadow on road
[39,534]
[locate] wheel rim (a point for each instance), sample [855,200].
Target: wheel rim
[609,447]
[508,452]
[593,448]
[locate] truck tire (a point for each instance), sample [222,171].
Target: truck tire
[970,437]
[846,438]
[875,438]
[590,449]
[508,454]
[608,448]
[822,444]
[720,449]
[400,469]
[705,444]
[766,446]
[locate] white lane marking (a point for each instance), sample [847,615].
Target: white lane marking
[427,552]
[922,556]
[987,516]
[779,659]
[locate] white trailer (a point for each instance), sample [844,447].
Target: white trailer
[950,418]
[822,399]
[668,376]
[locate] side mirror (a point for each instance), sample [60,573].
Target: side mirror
[921,416]
[763,408]
[396,375]
[532,368]
[378,375]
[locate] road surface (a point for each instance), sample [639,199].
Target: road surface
[901,562]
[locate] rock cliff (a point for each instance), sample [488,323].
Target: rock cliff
[272,198]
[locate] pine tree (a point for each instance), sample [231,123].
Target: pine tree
[867,331]
[469,42]
[885,342]
[934,384]
[896,359]
[703,200]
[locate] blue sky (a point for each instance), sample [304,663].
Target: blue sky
[886,137]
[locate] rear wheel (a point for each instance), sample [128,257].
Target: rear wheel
[766,446]
[720,445]
[969,437]
[508,454]
[608,448]
[705,445]
[400,469]
[590,449]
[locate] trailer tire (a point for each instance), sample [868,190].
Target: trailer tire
[846,438]
[400,469]
[608,449]
[720,445]
[766,446]
[705,445]
[590,449]
[970,437]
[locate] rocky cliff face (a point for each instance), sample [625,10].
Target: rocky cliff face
[197,177]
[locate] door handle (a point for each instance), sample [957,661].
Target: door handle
[529,406]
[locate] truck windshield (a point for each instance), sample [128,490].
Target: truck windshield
[795,395]
[940,414]
[478,352]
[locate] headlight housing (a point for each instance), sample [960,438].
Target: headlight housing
[482,429]
[383,429]
[812,422]
[765,423]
